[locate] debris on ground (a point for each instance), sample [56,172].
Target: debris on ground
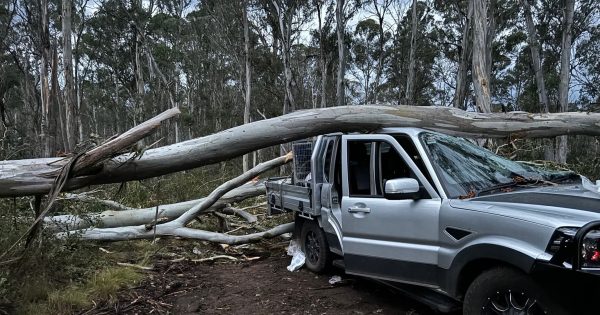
[298,257]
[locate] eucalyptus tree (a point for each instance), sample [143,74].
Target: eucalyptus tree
[426,55]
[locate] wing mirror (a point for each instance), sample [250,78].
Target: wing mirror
[402,188]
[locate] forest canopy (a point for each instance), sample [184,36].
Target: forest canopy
[79,70]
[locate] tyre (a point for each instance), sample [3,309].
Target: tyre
[508,291]
[315,247]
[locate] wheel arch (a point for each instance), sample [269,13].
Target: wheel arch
[474,260]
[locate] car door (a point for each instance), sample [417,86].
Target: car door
[383,238]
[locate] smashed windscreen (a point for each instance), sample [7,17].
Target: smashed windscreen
[466,169]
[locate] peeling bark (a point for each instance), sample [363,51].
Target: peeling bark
[481,79]
[461,76]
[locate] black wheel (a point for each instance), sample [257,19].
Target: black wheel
[315,247]
[506,291]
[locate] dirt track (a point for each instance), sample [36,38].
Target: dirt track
[257,287]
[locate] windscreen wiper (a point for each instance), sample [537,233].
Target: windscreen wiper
[517,181]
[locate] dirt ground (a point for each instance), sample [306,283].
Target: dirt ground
[261,286]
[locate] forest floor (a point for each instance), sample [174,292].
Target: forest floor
[261,285]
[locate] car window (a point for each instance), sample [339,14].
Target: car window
[392,166]
[327,160]
[359,168]
[367,174]
[465,168]
[409,146]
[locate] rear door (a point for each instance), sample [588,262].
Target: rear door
[382,238]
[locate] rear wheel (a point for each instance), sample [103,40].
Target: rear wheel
[315,247]
[506,291]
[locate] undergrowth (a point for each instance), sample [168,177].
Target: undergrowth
[63,276]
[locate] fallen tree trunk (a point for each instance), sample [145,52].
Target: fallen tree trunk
[29,177]
[173,229]
[178,227]
[112,218]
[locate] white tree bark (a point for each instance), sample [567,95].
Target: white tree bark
[285,29]
[178,227]
[44,35]
[565,74]
[380,12]
[340,29]
[240,213]
[536,60]
[322,59]
[248,87]
[410,79]
[193,212]
[481,80]
[169,212]
[461,76]
[34,176]
[69,91]
[172,229]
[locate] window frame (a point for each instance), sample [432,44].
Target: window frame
[374,138]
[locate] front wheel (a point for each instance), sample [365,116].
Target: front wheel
[508,291]
[315,247]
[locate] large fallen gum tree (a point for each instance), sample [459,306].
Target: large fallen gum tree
[37,176]
[34,176]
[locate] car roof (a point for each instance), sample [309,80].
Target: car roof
[411,131]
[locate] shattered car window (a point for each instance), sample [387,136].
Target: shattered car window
[465,168]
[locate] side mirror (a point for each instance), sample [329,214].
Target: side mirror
[402,188]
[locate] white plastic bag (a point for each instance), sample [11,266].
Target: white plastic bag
[298,257]
[587,184]
[335,279]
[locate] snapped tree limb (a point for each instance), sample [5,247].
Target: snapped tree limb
[178,227]
[27,177]
[112,218]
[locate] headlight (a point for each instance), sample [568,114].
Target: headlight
[590,250]
[562,247]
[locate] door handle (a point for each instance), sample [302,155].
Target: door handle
[359,210]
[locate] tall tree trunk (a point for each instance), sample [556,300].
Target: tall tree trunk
[489,41]
[340,28]
[56,128]
[322,61]
[286,46]
[536,60]
[463,65]
[536,63]
[245,162]
[565,74]
[139,78]
[480,77]
[380,12]
[410,79]
[45,86]
[69,92]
